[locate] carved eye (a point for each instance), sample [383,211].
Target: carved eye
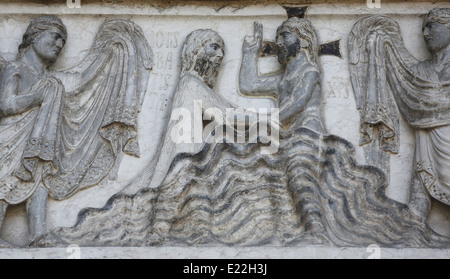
[57,36]
[215,46]
[430,25]
[285,34]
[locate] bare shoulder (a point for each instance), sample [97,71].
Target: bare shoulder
[310,68]
[308,71]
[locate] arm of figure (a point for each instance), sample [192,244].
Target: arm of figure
[250,83]
[77,78]
[216,107]
[120,52]
[13,102]
[301,96]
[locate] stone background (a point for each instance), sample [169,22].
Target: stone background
[166,26]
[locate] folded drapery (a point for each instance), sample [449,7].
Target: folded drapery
[388,80]
[88,117]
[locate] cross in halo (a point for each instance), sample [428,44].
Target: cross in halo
[331,48]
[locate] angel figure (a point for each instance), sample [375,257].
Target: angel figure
[388,82]
[65,131]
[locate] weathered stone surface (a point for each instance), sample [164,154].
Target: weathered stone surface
[62,132]
[310,191]
[389,81]
[317,189]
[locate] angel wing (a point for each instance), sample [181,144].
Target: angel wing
[387,80]
[366,29]
[104,95]
[374,43]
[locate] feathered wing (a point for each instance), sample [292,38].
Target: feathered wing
[104,95]
[373,43]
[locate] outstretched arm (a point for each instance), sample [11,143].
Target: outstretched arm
[250,83]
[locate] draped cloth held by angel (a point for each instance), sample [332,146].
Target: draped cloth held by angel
[88,118]
[388,82]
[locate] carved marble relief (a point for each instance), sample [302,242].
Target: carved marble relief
[202,55]
[311,191]
[389,82]
[62,132]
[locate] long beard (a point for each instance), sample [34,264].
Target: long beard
[282,56]
[207,70]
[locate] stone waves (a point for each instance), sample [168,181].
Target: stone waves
[310,192]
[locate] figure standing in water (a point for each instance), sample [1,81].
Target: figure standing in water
[299,97]
[298,88]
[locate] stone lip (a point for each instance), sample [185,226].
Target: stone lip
[210,3]
[310,252]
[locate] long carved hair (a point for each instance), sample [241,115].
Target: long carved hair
[304,29]
[195,43]
[37,27]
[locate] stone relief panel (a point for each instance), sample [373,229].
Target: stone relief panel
[311,191]
[388,82]
[244,139]
[66,131]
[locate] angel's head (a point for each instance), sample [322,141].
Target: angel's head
[46,36]
[293,36]
[436,30]
[202,53]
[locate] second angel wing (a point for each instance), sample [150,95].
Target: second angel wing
[104,95]
[373,43]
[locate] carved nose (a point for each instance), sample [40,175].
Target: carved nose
[220,53]
[59,44]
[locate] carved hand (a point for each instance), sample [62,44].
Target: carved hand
[38,89]
[254,43]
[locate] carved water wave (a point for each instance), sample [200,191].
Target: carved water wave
[310,192]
